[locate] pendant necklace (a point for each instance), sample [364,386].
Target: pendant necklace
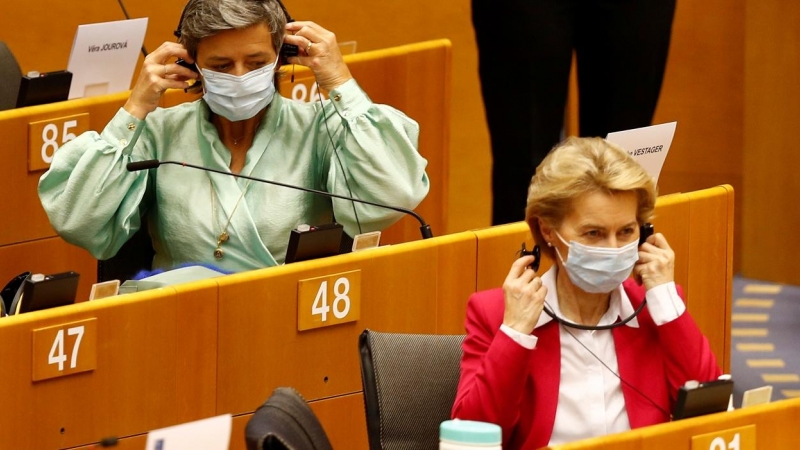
[223,235]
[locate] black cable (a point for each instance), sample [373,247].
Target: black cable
[341,166]
[635,389]
[125,11]
[567,323]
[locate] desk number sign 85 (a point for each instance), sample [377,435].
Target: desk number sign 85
[45,137]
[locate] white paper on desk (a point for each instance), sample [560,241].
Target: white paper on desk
[648,146]
[104,57]
[206,434]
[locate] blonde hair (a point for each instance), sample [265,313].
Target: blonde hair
[578,166]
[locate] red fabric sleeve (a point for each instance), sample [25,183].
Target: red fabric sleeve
[493,367]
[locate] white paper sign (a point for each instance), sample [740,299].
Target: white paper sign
[206,434]
[648,146]
[104,57]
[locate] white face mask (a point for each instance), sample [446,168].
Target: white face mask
[239,97]
[599,270]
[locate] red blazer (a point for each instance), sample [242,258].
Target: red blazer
[516,388]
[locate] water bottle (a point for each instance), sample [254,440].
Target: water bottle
[469,435]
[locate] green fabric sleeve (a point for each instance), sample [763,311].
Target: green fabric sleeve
[91,199]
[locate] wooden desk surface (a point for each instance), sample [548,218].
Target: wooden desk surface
[774,429]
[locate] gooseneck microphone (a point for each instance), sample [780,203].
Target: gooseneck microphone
[424,228]
[125,12]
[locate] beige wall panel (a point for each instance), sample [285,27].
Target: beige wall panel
[703,91]
[770,242]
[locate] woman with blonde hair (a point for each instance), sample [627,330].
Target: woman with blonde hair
[597,361]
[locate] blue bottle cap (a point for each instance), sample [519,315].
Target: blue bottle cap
[470,432]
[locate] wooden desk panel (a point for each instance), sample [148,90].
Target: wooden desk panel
[196,346]
[131,443]
[344,420]
[774,422]
[132,390]
[710,267]
[258,339]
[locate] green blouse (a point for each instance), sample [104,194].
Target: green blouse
[94,202]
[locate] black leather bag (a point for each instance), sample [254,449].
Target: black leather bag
[285,422]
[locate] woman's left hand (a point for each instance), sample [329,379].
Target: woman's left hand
[656,264]
[319,51]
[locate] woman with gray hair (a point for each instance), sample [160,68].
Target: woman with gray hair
[596,362]
[239,126]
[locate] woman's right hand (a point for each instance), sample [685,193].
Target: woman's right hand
[158,75]
[524,296]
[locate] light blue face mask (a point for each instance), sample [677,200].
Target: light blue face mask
[598,270]
[239,97]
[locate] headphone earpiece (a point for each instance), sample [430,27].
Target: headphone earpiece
[536,253]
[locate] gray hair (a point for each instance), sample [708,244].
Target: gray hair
[204,18]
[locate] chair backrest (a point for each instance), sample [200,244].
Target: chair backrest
[10,78]
[134,256]
[285,422]
[410,383]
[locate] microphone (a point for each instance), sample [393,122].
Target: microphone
[125,12]
[424,228]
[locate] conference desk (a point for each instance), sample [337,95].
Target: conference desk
[190,351]
[763,427]
[31,135]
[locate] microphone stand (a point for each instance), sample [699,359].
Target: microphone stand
[424,228]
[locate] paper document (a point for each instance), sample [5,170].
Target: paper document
[206,434]
[104,57]
[648,145]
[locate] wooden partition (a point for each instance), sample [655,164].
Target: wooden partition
[144,347]
[389,76]
[764,427]
[699,228]
[418,287]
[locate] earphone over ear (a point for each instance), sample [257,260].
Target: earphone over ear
[286,51]
[536,253]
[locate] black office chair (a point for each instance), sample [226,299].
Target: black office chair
[285,422]
[410,383]
[134,256]
[10,78]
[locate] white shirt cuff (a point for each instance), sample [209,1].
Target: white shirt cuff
[525,340]
[664,303]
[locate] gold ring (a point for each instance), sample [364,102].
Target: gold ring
[308,47]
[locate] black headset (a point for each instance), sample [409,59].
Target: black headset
[286,51]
